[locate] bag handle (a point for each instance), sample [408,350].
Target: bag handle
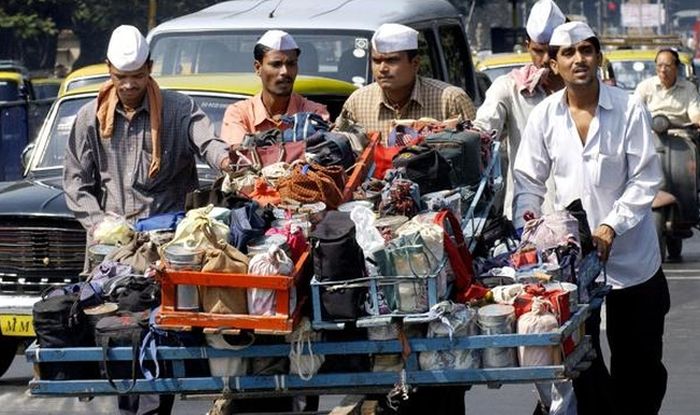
[104,343]
[457,252]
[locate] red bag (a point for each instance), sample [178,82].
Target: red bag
[384,155]
[457,253]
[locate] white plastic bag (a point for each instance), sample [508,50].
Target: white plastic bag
[452,320]
[506,294]
[368,237]
[113,230]
[538,320]
[262,302]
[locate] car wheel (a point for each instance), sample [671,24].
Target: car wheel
[8,349]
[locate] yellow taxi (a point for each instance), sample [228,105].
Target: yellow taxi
[13,87]
[87,75]
[502,63]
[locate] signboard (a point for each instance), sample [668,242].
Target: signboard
[642,15]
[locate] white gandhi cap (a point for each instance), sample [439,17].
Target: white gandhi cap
[278,40]
[128,49]
[392,37]
[544,17]
[570,34]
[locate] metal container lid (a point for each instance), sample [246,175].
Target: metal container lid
[101,250]
[182,255]
[495,313]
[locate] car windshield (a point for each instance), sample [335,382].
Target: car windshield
[341,55]
[86,81]
[494,73]
[52,157]
[628,74]
[8,91]
[46,90]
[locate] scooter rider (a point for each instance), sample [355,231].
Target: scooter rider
[666,94]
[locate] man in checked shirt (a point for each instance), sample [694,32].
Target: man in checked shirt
[132,152]
[398,91]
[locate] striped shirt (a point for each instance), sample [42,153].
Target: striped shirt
[111,175]
[369,107]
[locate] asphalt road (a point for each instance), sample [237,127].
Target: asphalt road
[680,355]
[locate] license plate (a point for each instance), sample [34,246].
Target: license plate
[17,326]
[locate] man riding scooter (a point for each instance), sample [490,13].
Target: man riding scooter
[675,105]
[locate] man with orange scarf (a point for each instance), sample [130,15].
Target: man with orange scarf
[132,151]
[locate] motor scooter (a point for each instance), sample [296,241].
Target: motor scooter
[676,205]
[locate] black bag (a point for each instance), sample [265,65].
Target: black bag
[58,323]
[344,303]
[462,150]
[331,149]
[336,254]
[424,166]
[125,330]
[584,230]
[138,294]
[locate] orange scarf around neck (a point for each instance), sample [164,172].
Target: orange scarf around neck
[107,100]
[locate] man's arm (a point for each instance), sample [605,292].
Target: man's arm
[233,128]
[493,112]
[213,149]
[694,107]
[346,119]
[80,174]
[531,169]
[644,173]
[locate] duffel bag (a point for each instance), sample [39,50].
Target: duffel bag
[331,149]
[59,322]
[424,166]
[462,150]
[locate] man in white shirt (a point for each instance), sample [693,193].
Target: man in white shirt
[596,143]
[512,96]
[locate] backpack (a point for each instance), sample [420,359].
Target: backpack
[336,254]
[336,257]
[462,151]
[424,166]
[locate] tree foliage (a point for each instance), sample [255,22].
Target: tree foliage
[29,27]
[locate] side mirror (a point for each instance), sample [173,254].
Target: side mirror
[27,155]
[660,124]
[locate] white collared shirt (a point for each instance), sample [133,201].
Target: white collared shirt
[615,174]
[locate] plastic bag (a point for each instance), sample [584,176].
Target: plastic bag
[452,320]
[370,240]
[539,320]
[304,365]
[113,230]
[262,302]
[506,294]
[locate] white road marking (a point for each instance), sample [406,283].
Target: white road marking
[683,278]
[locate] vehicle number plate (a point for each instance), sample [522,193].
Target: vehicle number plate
[17,326]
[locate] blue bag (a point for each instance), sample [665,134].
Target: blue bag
[159,222]
[246,224]
[302,125]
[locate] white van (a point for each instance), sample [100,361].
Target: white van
[334,36]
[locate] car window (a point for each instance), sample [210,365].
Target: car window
[86,81]
[338,55]
[428,55]
[47,90]
[454,47]
[213,106]
[628,74]
[8,91]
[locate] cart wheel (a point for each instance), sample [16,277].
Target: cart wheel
[8,349]
[660,223]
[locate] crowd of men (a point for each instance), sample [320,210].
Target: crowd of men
[569,137]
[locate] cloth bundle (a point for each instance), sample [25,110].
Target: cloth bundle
[314,183]
[262,302]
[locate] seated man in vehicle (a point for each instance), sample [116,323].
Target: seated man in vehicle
[398,91]
[668,95]
[276,63]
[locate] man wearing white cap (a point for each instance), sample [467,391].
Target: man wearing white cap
[596,142]
[276,63]
[511,97]
[398,91]
[132,152]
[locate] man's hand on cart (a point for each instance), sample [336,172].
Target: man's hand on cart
[602,240]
